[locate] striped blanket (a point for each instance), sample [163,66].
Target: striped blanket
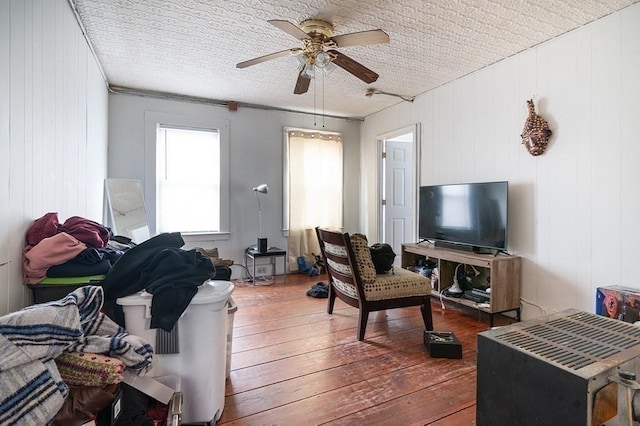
[31,389]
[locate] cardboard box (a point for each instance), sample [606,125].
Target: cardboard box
[618,302]
[442,344]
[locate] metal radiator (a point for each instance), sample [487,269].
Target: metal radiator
[569,368]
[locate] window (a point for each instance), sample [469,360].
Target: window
[314,189]
[155,171]
[188,179]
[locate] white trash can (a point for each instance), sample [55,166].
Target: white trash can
[201,360]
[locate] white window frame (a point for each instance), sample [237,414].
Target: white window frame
[154,119]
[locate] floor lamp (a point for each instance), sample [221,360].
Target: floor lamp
[262,241]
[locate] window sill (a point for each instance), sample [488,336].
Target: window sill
[205,236]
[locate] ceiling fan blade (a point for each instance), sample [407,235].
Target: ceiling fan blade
[361,38]
[302,84]
[355,68]
[268,57]
[289,28]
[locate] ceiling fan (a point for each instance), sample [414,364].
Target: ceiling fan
[319,50]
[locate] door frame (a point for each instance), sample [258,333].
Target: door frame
[380,139]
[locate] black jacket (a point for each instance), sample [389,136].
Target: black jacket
[160,267]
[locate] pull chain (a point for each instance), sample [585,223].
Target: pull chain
[323,98]
[314,103]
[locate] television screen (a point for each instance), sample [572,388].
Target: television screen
[473,214]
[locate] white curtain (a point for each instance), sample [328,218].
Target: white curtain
[315,190]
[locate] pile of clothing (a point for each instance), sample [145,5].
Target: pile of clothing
[74,352]
[62,355]
[79,247]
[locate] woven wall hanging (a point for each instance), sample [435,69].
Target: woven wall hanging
[535,134]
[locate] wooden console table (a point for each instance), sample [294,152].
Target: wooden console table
[501,271]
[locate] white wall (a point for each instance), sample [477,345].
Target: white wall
[574,211]
[53,129]
[256,156]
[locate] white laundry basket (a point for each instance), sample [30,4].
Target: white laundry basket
[201,360]
[231,310]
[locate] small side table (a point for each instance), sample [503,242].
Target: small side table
[272,253]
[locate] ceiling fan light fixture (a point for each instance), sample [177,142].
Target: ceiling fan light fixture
[329,68]
[302,60]
[322,59]
[308,71]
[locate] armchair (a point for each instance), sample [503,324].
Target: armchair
[353,279]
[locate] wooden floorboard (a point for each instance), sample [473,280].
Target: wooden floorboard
[292,363]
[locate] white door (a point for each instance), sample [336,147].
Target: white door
[397,188]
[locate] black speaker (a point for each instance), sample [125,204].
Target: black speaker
[262,245]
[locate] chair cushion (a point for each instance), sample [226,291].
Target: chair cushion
[363,259]
[401,283]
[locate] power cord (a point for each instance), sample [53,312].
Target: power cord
[441,298]
[252,280]
[249,276]
[544,312]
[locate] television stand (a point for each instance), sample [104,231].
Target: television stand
[501,272]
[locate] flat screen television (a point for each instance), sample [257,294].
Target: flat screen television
[468,215]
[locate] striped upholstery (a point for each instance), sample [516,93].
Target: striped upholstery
[335,249]
[347,288]
[339,267]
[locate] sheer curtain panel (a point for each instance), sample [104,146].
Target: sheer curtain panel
[314,164]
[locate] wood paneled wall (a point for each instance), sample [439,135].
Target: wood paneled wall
[574,211]
[53,129]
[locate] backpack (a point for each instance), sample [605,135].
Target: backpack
[383,256]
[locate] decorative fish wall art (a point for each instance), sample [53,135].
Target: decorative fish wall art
[535,134]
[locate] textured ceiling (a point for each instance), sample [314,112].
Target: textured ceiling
[191,47]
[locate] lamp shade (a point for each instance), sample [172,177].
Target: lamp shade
[263,188]
[262,242]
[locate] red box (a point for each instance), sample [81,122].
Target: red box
[618,302]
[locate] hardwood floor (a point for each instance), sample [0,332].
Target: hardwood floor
[293,364]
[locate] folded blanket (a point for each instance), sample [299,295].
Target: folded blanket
[88,369]
[32,389]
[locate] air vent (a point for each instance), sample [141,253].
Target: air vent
[575,341]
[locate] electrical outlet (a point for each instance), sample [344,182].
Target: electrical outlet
[261,270]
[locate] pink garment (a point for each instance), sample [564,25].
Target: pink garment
[46,226]
[50,251]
